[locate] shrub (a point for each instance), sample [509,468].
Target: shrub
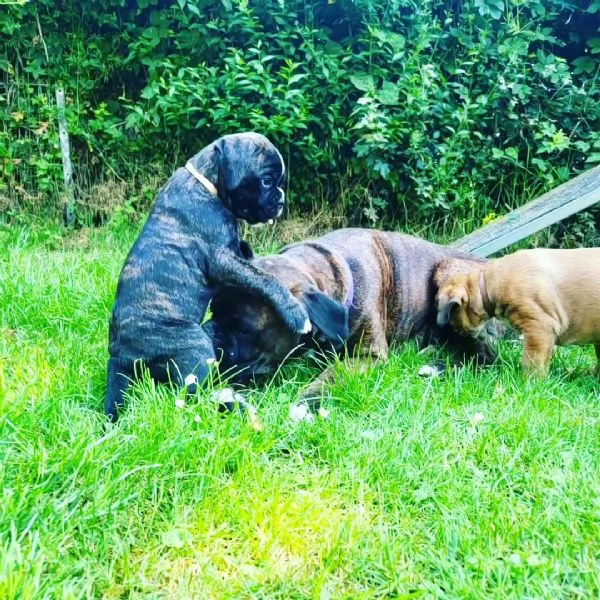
[412,111]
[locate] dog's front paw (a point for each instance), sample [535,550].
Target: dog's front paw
[298,320]
[436,369]
[301,412]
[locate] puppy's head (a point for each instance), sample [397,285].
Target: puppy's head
[253,339]
[251,176]
[459,303]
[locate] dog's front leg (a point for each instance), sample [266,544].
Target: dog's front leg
[538,345]
[229,269]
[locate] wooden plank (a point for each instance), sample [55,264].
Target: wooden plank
[563,201]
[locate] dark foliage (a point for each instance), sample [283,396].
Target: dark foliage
[407,109]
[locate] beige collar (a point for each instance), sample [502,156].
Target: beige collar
[203,180]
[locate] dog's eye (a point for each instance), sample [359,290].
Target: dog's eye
[267,181]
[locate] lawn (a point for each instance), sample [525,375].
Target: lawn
[474,485]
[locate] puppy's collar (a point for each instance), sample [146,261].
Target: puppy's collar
[487,305]
[199,177]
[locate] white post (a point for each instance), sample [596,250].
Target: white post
[63,134]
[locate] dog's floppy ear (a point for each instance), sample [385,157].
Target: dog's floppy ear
[329,316]
[445,308]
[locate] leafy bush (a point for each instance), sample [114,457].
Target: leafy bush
[414,111]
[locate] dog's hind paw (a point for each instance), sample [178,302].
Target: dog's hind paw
[301,412]
[190,379]
[191,384]
[432,370]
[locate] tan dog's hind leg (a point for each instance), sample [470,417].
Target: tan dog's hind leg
[537,352]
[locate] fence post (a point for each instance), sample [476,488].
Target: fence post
[63,134]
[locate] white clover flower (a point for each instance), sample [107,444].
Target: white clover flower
[477,418]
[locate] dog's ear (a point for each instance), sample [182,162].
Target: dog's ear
[447,304]
[453,266]
[208,162]
[329,316]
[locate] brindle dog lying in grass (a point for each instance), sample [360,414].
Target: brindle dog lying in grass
[387,281]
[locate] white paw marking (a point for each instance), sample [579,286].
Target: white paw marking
[477,419]
[211,361]
[301,413]
[180,403]
[306,327]
[270,222]
[223,396]
[191,379]
[430,371]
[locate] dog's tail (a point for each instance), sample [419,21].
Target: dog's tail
[118,381]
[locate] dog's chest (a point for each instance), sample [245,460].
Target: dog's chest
[165,281]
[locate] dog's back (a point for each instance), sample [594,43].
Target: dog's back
[564,283]
[393,273]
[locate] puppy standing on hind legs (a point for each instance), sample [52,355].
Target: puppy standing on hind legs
[551,296]
[188,248]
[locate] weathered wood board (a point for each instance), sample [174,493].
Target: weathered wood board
[563,201]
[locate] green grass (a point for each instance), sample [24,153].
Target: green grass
[476,485]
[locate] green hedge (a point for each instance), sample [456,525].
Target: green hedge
[403,108]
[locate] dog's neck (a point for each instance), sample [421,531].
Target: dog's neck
[323,268]
[337,268]
[204,168]
[488,306]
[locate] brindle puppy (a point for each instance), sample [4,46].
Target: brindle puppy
[388,282]
[188,248]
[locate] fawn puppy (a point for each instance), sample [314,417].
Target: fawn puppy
[551,296]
